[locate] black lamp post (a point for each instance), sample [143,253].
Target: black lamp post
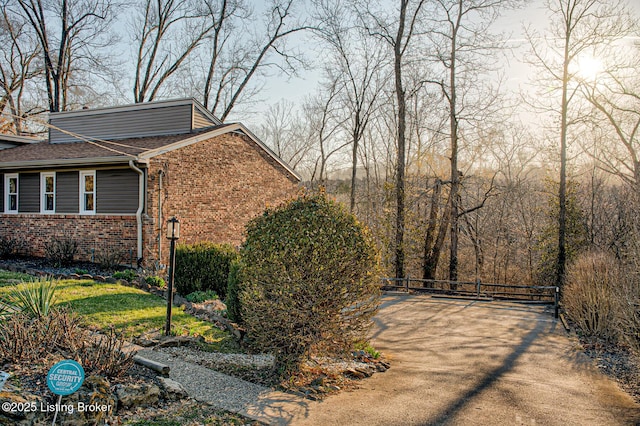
[173,233]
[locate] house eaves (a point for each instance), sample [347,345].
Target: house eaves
[228,128]
[69,162]
[19,140]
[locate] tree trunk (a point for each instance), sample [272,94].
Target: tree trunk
[400,162]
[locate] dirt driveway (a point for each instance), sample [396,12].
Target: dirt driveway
[475,363]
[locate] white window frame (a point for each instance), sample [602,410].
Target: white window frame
[44,193]
[7,194]
[82,192]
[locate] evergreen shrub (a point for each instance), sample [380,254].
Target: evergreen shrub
[202,267]
[309,281]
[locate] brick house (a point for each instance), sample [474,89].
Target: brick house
[110,178]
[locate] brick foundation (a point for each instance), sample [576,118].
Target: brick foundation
[92,233]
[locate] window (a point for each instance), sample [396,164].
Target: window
[48,192]
[11,193]
[88,192]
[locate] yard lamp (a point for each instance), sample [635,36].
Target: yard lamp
[173,233]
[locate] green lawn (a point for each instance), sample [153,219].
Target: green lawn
[131,310]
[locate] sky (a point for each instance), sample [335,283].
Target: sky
[518,74]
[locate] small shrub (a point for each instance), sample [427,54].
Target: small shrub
[24,338]
[8,247]
[109,258]
[203,267]
[128,275]
[628,296]
[234,310]
[309,281]
[81,271]
[589,295]
[156,281]
[201,296]
[366,347]
[105,356]
[61,251]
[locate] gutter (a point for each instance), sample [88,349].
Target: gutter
[63,162]
[140,206]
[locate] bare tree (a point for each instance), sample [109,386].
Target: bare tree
[169,31]
[398,34]
[460,40]
[324,123]
[233,71]
[575,27]
[359,61]
[283,130]
[18,66]
[68,32]
[615,96]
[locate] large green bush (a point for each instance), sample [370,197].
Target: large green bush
[202,267]
[309,281]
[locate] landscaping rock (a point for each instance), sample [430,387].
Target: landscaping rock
[86,276]
[94,403]
[137,395]
[353,373]
[172,389]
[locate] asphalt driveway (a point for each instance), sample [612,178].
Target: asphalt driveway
[460,362]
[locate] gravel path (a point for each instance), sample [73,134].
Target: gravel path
[227,392]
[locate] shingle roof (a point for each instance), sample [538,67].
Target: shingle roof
[56,153]
[46,155]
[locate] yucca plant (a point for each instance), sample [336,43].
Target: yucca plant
[34,298]
[5,308]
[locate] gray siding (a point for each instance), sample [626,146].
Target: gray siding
[200,121]
[29,193]
[1,193]
[165,120]
[116,191]
[67,192]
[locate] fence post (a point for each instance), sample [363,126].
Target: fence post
[557,297]
[478,288]
[407,282]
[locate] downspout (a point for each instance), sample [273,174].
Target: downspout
[160,174]
[140,207]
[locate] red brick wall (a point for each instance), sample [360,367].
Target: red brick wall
[92,233]
[214,188]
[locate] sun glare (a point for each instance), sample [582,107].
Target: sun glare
[588,68]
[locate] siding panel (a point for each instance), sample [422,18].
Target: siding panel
[200,121]
[67,187]
[116,191]
[29,193]
[124,124]
[1,193]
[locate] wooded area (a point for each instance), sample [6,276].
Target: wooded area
[414,122]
